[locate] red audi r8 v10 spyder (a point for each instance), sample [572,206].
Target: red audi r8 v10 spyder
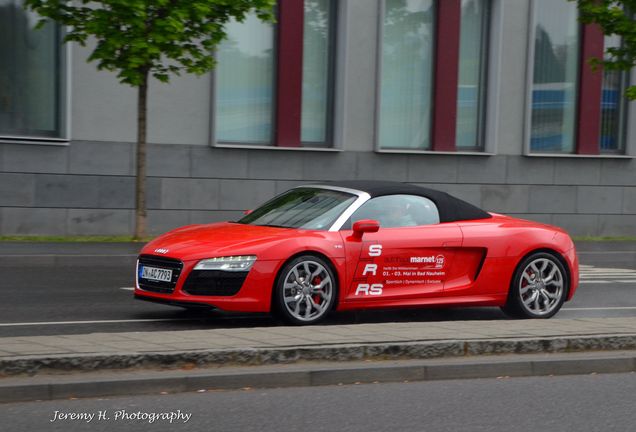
[361,245]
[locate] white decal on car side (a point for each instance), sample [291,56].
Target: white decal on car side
[366,289]
[375,250]
[370,268]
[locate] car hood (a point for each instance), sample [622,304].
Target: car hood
[219,239]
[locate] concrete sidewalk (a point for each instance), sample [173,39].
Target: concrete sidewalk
[103,364]
[269,345]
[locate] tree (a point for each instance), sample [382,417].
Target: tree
[616,18]
[138,39]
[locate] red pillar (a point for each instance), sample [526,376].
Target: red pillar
[446,74]
[289,73]
[590,92]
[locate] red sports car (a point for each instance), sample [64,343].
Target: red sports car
[361,245]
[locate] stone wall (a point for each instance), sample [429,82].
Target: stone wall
[88,187]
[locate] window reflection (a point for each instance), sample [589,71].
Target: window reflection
[613,104]
[30,74]
[472,73]
[407,74]
[245,82]
[317,74]
[555,77]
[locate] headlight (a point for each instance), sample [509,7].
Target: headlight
[229,263]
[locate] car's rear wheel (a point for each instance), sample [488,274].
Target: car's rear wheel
[306,290]
[538,288]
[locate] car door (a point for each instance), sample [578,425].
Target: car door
[408,258]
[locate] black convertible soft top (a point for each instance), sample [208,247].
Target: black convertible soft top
[450,209]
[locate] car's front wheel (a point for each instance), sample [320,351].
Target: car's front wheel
[538,288]
[306,290]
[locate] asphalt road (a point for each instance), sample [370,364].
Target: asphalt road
[48,300]
[571,403]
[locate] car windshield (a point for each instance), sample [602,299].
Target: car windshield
[306,208]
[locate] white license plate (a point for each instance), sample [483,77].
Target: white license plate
[156,274]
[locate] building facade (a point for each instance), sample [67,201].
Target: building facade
[490,100]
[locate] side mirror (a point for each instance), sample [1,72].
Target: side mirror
[365,226]
[246,212]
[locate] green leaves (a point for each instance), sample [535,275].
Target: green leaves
[616,18]
[160,37]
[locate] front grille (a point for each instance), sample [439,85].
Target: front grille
[214,282]
[165,263]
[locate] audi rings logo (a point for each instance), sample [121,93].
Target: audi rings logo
[161,251]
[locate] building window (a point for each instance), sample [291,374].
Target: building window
[318,42]
[472,74]
[613,105]
[575,109]
[244,83]
[555,77]
[31,75]
[433,77]
[408,35]
[274,84]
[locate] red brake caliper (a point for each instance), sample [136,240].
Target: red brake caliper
[316,281]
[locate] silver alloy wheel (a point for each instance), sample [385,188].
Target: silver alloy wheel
[541,286]
[307,291]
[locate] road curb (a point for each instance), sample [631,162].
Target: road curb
[64,387]
[31,365]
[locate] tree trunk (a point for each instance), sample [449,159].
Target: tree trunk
[140,183]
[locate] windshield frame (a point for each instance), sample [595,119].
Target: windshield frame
[360,198]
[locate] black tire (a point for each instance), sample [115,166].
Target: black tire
[320,302]
[529,295]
